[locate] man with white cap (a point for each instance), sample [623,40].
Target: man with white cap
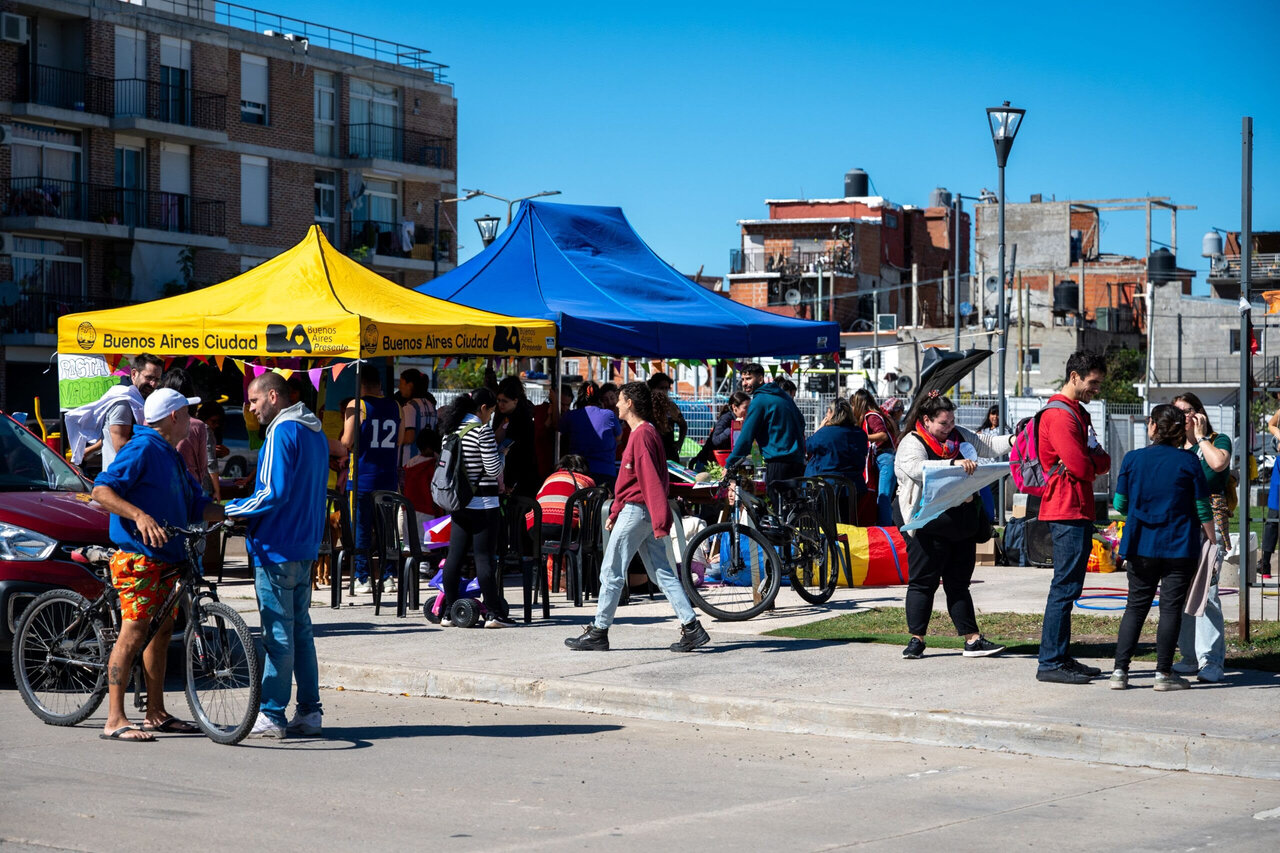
[147,487]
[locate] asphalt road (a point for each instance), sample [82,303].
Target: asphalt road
[399,772]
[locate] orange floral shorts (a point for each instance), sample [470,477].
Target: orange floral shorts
[142,584]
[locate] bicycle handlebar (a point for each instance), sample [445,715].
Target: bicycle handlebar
[195,531]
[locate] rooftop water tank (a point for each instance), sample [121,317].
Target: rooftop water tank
[1161,266]
[1211,245]
[856,184]
[1066,298]
[940,197]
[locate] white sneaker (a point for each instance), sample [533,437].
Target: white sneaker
[389,586]
[1211,673]
[500,622]
[307,725]
[363,587]
[264,727]
[1186,666]
[446,622]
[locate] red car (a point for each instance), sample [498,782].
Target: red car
[45,511]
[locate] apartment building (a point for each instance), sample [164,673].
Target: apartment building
[153,146]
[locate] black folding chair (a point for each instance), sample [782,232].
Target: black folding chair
[523,550]
[396,545]
[344,549]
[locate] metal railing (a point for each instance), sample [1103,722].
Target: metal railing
[77,200]
[61,87]
[38,313]
[387,142]
[166,102]
[385,239]
[1194,368]
[1262,265]
[755,261]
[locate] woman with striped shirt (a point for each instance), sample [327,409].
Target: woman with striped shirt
[570,476]
[474,528]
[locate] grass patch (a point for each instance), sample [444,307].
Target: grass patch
[1091,636]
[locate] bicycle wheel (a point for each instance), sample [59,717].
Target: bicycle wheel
[741,576]
[60,653]
[813,561]
[224,674]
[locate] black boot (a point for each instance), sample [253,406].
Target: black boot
[692,635]
[593,639]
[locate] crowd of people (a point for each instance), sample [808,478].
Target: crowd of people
[160,446]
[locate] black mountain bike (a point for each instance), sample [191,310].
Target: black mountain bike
[744,560]
[63,641]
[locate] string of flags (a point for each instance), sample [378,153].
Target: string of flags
[118,364]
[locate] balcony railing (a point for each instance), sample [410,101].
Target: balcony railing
[38,313]
[757,261]
[1218,369]
[1262,267]
[152,99]
[385,239]
[76,200]
[60,87]
[386,142]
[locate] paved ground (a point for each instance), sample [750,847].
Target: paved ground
[408,773]
[750,681]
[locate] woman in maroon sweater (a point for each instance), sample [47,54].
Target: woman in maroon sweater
[639,519]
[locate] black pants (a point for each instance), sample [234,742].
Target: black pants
[1145,573]
[932,560]
[476,531]
[1270,535]
[783,469]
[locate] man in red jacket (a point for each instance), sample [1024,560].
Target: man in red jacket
[1072,459]
[639,520]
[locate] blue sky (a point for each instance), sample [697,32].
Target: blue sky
[689,115]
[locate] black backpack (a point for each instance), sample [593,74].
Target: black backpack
[451,490]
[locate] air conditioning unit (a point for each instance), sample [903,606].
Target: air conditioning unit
[6,134]
[886,322]
[14,28]
[6,244]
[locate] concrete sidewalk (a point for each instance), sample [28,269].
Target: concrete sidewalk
[751,681]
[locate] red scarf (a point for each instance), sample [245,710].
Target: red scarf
[949,450]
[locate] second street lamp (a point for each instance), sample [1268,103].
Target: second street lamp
[488,226]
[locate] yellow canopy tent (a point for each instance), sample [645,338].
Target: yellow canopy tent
[311,301]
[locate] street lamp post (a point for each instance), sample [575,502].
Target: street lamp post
[488,226]
[511,201]
[435,228]
[1004,122]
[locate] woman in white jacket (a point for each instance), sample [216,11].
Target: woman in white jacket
[943,550]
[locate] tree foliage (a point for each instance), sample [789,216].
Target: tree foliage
[1124,368]
[466,375]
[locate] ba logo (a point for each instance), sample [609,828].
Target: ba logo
[86,335]
[506,339]
[369,338]
[278,339]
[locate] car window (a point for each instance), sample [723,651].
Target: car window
[233,428]
[27,465]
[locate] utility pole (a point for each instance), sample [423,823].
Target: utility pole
[1246,425]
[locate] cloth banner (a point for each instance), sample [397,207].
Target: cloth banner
[83,379]
[946,486]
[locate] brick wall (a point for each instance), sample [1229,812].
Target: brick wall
[290,107]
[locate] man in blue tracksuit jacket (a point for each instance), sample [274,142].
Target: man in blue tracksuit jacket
[285,517]
[774,422]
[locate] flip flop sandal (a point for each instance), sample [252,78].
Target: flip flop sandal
[172,726]
[118,734]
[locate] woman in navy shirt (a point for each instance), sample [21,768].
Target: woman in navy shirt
[1166,498]
[839,448]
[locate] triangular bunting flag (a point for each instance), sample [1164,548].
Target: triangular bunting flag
[285,372]
[314,375]
[191,359]
[168,360]
[773,371]
[258,370]
[203,359]
[788,367]
[336,369]
[219,360]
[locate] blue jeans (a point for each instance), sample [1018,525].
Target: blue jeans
[1071,547]
[1202,638]
[884,489]
[284,600]
[364,538]
[633,533]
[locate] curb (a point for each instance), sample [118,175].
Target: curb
[1162,750]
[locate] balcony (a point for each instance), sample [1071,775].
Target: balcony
[48,205]
[163,110]
[380,245]
[1263,267]
[747,261]
[38,313]
[1212,370]
[61,94]
[395,144]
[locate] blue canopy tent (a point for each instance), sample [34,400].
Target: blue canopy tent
[587,270]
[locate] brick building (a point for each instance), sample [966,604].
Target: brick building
[156,145]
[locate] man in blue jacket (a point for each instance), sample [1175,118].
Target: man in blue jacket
[774,422]
[145,488]
[285,517]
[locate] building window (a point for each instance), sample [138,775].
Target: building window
[1233,341]
[1033,359]
[375,121]
[253,89]
[254,186]
[327,204]
[572,367]
[890,220]
[45,169]
[130,171]
[326,100]
[50,279]
[175,80]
